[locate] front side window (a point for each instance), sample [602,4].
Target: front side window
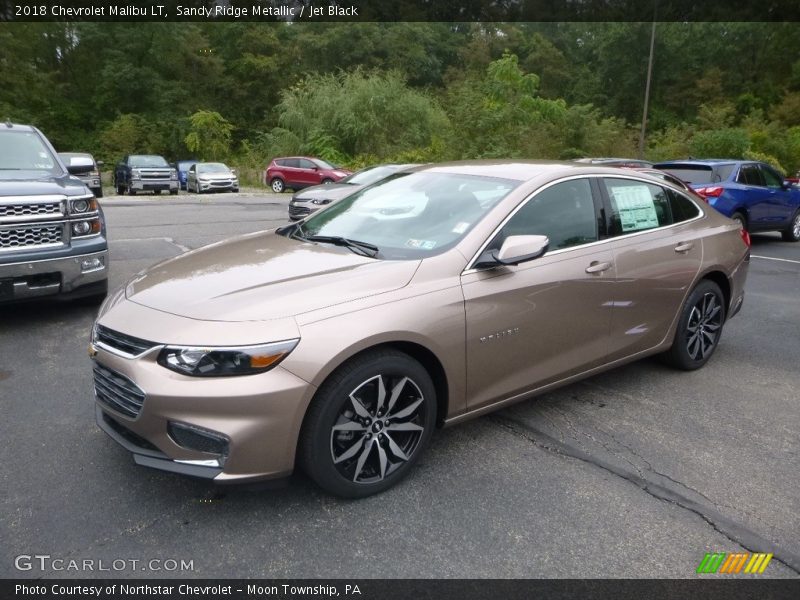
[411,215]
[637,206]
[564,212]
[771,178]
[306,164]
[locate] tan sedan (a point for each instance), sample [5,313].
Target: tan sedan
[341,342]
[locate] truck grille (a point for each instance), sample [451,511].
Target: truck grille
[126,344]
[30,236]
[117,392]
[155,174]
[15,211]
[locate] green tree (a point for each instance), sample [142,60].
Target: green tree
[209,135]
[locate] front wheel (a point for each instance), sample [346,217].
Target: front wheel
[699,327]
[792,232]
[278,186]
[740,220]
[368,424]
[327,180]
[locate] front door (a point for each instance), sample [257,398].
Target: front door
[547,319]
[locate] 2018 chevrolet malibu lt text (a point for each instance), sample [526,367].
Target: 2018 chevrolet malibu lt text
[341,342]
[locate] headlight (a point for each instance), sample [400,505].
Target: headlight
[135,174]
[173,174]
[224,362]
[83,205]
[203,179]
[84,228]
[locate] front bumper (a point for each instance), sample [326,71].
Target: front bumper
[145,185]
[219,186]
[51,276]
[258,416]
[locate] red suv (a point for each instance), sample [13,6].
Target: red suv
[298,172]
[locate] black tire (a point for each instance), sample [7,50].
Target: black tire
[98,192]
[741,219]
[699,328]
[156,192]
[120,189]
[277,185]
[792,232]
[131,191]
[327,180]
[173,192]
[370,459]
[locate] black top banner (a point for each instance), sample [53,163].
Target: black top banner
[399,10]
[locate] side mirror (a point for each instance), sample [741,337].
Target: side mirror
[516,249]
[80,164]
[100,163]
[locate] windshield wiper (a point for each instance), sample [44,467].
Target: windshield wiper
[363,248]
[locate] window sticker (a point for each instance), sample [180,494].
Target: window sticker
[421,244]
[635,206]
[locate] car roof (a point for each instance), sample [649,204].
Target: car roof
[71,154]
[17,126]
[520,170]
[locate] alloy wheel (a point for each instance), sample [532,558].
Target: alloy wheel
[705,321]
[796,226]
[378,429]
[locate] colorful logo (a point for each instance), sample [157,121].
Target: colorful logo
[734,563]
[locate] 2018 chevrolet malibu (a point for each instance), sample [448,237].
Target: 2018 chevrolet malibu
[438,294]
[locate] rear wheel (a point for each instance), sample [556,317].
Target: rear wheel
[277,185]
[131,191]
[792,232]
[368,424]
[699,327]
[740,219]
[120,190]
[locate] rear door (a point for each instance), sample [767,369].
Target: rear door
[752,193]
[547,319]
[657,252]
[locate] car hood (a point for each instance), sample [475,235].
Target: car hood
[29,183]
[329,191]
[263,276]
[216,175]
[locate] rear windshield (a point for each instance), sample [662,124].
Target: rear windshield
[698,173]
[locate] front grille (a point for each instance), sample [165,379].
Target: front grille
[31,210]
[122,342]
[117,392]
[30,236]
[129,435]
[298,211]
[155,174]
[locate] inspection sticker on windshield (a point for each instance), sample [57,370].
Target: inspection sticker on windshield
[635,206]
[421,244]
[460,227]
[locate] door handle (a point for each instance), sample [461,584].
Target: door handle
[684,246]
[598,267]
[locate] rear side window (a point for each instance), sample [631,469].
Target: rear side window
[637,206]
[751,175]
[683,209]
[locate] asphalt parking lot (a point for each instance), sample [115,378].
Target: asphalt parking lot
[634,473]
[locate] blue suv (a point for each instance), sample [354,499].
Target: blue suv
[752,193]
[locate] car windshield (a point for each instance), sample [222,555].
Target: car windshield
[25,151]
[369,175]
[212,168]
[146,160]
[411,215]
[322,164]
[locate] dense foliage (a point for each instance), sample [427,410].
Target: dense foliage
[359,93]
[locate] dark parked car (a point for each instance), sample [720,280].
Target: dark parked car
[88,174]
[307,201]
[752,193]
[182,166]
[211,177]
[52,232]
[298,172]
[145,173]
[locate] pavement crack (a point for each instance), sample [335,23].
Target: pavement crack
[668,492]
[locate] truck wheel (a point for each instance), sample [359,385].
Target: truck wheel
[173,192]
[131,191]
[156,192]
[120,189]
